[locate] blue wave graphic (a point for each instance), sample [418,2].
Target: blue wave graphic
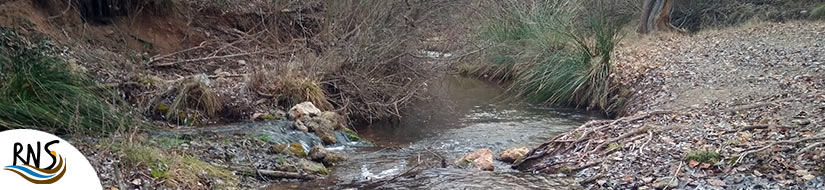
[29,171]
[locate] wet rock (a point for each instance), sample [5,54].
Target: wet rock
[292,149]
[312,167]
[336,119]
[317,123]
[303,111]
[299,125]
[513,154]
[317,153]
[327,136]
[482,159]
[323,128]
[333,158]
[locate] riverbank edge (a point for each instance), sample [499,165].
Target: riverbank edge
[733,141]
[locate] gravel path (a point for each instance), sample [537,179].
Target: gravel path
[753,96]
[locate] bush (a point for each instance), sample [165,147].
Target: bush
[555,52]
[371,46]
[39,91]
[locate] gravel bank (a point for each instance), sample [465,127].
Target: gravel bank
[751,96]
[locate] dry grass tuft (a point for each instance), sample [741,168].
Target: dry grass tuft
[290,89]
[195,93]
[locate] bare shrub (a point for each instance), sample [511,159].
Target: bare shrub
[371,42]
[289,86]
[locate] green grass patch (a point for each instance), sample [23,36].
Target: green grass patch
[169,142]
[553,52]
[703,156]
[352,135]
[175,169]
[42,92]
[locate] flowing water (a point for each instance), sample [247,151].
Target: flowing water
[416,151]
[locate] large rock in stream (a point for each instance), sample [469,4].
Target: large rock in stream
[482,159]
[513,154]
[303,111]
[320,154]
[323,128]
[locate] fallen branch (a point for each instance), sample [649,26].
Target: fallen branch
[623,136]
[649,138]
[155,58]
[746,153]
[748,128]
[206,58]
[593,178]
[755,105]
[591,164]
[675,174]
[811,146]
[542,149]
[751,106]
[273,174]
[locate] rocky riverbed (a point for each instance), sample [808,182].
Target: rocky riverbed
[740,108]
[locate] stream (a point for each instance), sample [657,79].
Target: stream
[416,151]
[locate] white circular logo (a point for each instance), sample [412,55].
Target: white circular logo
[34,159]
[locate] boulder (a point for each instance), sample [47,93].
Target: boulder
[293,148]
[327,136]
[513,154]
[482,159]
[303,111]
[317,123]
[299,125]
[333,158]
[312,167]
[337,120]
[319,154]
[323,128]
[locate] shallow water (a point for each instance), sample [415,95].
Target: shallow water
[464,115]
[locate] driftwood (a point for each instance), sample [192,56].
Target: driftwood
[572,142]
[274,174]
[268,173]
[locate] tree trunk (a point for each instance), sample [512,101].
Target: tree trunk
[656,16]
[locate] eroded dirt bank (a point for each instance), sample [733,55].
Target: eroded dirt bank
[737,108]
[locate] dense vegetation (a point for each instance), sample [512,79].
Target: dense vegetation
[41,91]
[553,52]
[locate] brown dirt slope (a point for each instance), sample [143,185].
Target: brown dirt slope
[739,108]
[149,53]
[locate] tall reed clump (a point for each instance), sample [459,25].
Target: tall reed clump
[555,52]
[41,92]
